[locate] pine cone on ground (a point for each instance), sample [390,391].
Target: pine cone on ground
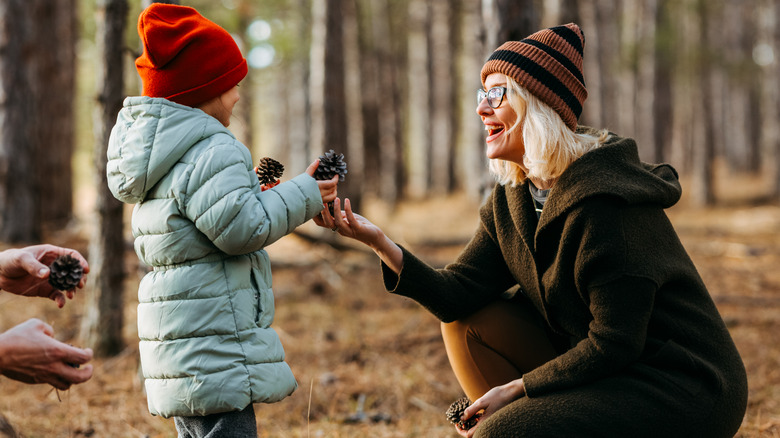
[65,272]
[331,164]
[268,172]
[456,410]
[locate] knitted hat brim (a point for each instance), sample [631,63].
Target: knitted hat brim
[209,90]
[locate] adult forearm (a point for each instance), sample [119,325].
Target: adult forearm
[390,253]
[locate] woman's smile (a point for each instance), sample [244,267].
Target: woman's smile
[494,131]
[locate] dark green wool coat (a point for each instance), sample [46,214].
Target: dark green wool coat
[649,353]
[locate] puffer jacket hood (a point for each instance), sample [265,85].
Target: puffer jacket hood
[201,222]
[159,134]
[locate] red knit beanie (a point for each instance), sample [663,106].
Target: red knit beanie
[549,65]
[187,58]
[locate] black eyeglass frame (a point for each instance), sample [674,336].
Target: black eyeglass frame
[493,94]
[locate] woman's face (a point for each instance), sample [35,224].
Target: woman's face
[500,144]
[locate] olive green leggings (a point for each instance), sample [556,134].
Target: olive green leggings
[496,345]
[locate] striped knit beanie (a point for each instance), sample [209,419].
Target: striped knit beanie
[549,65]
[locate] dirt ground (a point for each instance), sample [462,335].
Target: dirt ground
[373,365]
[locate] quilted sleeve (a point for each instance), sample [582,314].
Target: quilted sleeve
[223,198]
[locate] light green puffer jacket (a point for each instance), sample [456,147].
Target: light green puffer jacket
[201,221]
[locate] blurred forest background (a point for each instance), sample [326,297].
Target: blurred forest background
[392,85]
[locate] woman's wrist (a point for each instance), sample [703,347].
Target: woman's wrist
[389,253]
[517,388]
[380,243]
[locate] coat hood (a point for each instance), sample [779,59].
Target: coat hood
[615,170]
[149,138]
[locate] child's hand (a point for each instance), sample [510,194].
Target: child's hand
[328,187]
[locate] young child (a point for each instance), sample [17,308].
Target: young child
[201,221]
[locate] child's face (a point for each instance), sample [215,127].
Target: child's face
[228,100]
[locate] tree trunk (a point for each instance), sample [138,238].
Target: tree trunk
[420,97]
[293,96]
[770,101]
[53,86]
[607,13]
[686,102]
[592,113]
[737,48]
[328,92]
[103,320]
[354,185]
[442,99]
[369,95]
[472,173]
[704,147]
[662,115]
[647,70]
[742,143]
[509,20]
[19,187]
[626,63]
[391,169]
[568,13]
[245,106]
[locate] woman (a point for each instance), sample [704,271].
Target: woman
[611,331]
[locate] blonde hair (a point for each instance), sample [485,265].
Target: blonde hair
[550,146]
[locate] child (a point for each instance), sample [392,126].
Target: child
[201,221]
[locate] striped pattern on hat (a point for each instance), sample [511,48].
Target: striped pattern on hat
[549,65]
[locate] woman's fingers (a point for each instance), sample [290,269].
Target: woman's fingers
[337,221]
[351,218]
[324,219]
[474,409]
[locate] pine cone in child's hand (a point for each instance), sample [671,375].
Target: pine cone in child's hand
[268,172]
[65,272]
[456,410]
[331,164]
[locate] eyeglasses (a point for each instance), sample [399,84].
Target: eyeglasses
[494,96]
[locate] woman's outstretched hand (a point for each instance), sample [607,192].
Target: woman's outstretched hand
[491,402]
[352,225]
[349,224]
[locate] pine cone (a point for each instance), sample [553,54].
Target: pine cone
[456,410]
[331,164]
[66,272]
[268,172]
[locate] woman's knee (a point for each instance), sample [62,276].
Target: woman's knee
[494,346]
[510,328]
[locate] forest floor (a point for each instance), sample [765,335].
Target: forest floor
[373,365]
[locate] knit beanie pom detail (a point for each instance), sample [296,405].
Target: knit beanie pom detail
[187,58]
[549,65]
